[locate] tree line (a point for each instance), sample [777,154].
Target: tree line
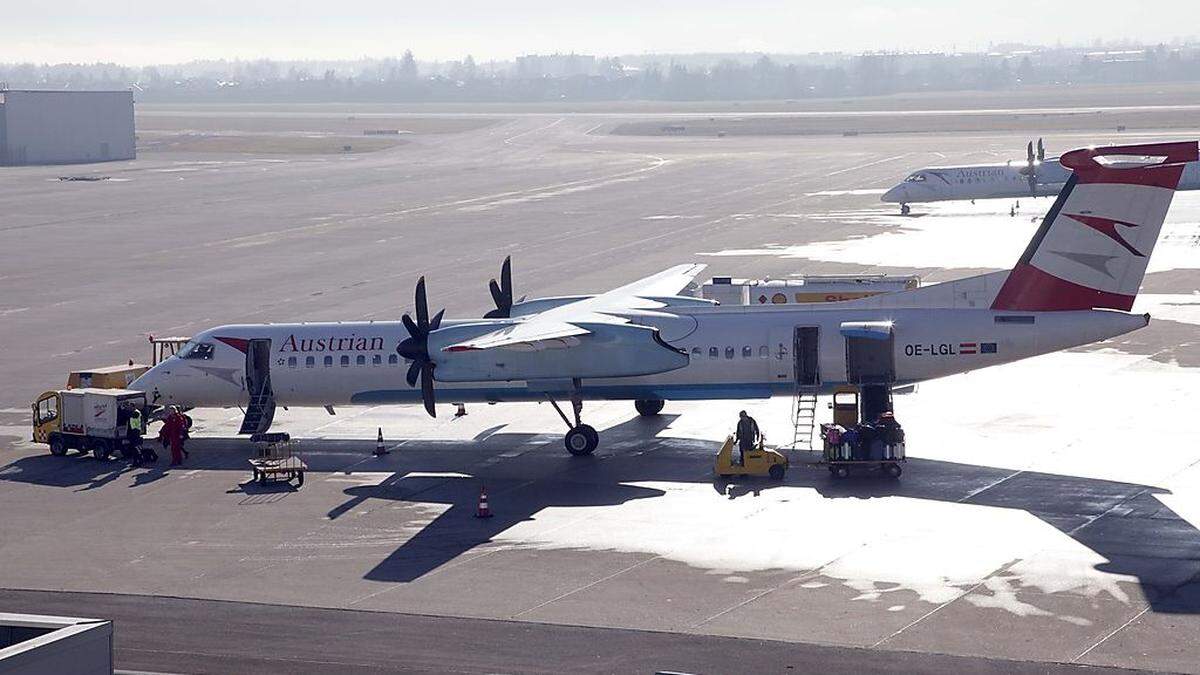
[585,78]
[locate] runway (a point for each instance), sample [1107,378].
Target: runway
[1048,517]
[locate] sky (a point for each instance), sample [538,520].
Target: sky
[141,32]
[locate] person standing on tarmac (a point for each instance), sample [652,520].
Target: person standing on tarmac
[173,429]
[747,435]
[133,435]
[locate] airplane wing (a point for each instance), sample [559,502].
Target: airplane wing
[553,327]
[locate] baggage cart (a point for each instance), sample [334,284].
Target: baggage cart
[276,460]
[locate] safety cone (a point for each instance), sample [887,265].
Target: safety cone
[379,449]
[484,511]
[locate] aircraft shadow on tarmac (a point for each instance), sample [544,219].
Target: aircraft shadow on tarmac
[1124,523]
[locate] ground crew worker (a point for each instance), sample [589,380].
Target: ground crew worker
[747,435]
[172,433]
[133,435]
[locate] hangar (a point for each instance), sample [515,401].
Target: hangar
[65,127]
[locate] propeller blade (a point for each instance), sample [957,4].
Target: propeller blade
[422,305]
[437,320]
[502,292]
[414,369]
[1029,153]
[413,330]
[506,278]
[427,388]
[497,294]
[1041,151]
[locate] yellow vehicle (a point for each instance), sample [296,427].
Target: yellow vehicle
[760,461]
[89,420]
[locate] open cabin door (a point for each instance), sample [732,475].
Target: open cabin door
[795,355]
[260,407]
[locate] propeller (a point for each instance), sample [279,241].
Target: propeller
[1041,151]
[1030,170]
[415,347]
[502,292]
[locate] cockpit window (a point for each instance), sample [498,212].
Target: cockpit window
[196,350]
[915,178]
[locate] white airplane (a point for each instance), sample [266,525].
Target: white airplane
[1074,285]
[1036,177]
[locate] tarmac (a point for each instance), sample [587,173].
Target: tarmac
[1047,518]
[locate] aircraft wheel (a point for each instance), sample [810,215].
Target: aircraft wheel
[893,470]
[58,446]
[648,407]
[582,440]
[905,210]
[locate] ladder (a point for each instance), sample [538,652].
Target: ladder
[804,417]
[259,414]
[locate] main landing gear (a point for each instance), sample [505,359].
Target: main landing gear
[581,439]
[648,407]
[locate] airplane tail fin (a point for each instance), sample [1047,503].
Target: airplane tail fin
[1092,249]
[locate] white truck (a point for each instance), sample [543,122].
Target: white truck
[87,419]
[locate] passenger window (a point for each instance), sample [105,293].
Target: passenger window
[393,359]
[696,352]
[345,360]
[714,353]
[764,352]
[196,350]
[361,360]
[729,352]
[377,360]
[291,362]
[747,352]
[309,362]
[328,361]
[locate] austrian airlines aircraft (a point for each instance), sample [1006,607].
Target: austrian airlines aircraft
[1074,285]
[1036,177]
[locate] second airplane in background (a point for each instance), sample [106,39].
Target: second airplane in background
[1035,177]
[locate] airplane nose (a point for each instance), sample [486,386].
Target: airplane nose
[896,195]
[148,383]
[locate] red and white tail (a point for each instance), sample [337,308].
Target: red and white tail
[1092,249]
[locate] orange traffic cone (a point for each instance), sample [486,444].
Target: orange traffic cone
[379,449]
[483,511]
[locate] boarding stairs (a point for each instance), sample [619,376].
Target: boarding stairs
[259,414]
[804,417]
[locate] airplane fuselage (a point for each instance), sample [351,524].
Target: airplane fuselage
[731,354]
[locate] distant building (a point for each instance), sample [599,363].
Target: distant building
[65,127]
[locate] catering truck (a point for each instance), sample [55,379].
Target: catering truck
[88,419]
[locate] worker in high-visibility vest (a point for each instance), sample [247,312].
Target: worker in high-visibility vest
[133,434]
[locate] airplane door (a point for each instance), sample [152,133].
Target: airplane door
[260,407]
[258,367]
[794,355]
[806,341]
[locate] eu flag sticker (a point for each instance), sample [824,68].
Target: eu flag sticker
[987,347]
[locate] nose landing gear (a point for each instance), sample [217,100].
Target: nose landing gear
[904,209]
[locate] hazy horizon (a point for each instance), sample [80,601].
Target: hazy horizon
[144,34]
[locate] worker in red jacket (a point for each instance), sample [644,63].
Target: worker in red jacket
[172,434]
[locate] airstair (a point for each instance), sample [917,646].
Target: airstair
[259,414]
[804,417]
